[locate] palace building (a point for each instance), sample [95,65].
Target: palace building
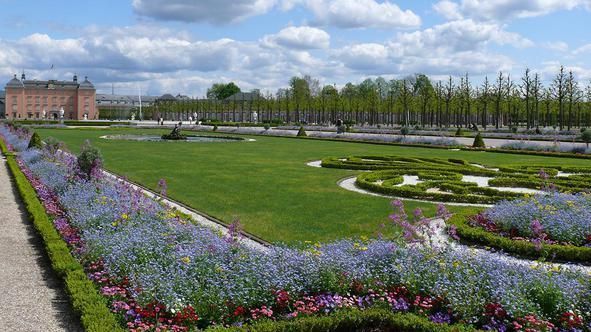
[33,99]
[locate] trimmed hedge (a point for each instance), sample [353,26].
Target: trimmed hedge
[446,175]
[476,235]
[353,320]
[84,295]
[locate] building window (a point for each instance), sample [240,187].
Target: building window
[37,100]
[45,99]
[15,107]
[37,115]
[14,99]
[54,99]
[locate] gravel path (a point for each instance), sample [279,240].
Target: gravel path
[439,239]
[349,184]
[31,296]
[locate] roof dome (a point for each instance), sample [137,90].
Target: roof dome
[86,84]
[167,97]
[15,83]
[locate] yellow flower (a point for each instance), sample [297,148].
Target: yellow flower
[186,260]
[114,223]
[125,216]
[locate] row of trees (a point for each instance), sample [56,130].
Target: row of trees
[411,101]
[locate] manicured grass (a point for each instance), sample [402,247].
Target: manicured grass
[266,184]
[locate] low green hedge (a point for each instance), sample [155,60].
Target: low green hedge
[353,320]
[84,295]
[476,235]
[446,175]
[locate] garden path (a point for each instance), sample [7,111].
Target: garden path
[439,239]
[31,296]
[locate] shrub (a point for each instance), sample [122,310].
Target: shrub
[89,159]
[514,130]
[459,132]
[35,141]
[478,142]
[404,131]
[302,132]
[267,126]
[586,137]
[215,127]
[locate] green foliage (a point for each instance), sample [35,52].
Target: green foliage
[404,131]
[221,91]
[514,130]
[35,141]
[267,126]
[89,158]
[86,300]
[477,235]
[215,127]
[459,132]
[586,137]
[478,142]
[375,319]
[302,132]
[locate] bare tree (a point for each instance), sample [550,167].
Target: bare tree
[499,92]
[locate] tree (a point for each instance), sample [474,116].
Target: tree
[425,91]
[300,92]
[449,92]
[573,94]
[499,93]
[478,142]
[484,98]
[221,91]
[526,88]
[559,93]
[536,92]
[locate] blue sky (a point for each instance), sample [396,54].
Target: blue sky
[183,46]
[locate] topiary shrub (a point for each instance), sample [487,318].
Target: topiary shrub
[267,127]
[215,127]
[478,142]
[404,131]
[302,132]
[459,132]
[89,159]
[35,142]
[586,137]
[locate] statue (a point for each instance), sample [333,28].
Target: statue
[341,128]
[175,134]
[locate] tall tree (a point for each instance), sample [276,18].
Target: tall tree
[559,93]
[499,93]
[484,97]
[449,93]
[526,89]
[536,92]
[573,95]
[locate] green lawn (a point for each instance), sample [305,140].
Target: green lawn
[266,184]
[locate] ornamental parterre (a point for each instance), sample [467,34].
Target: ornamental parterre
[458,181]
[162,271]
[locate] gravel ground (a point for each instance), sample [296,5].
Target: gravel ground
[31,296]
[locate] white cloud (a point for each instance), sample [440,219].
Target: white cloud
[212,11]
[362,14]
[448,9]
[558,46]
[299,38]
[583,50]
[501,10]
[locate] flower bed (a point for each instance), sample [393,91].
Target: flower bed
[554,226]
[160,270]
[531,146]
[442,180]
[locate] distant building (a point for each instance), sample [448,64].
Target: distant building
[123,102]
[31,99]
[2,107]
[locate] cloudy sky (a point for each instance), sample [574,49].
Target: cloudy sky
[183,46]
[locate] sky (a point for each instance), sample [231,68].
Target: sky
[184,46]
